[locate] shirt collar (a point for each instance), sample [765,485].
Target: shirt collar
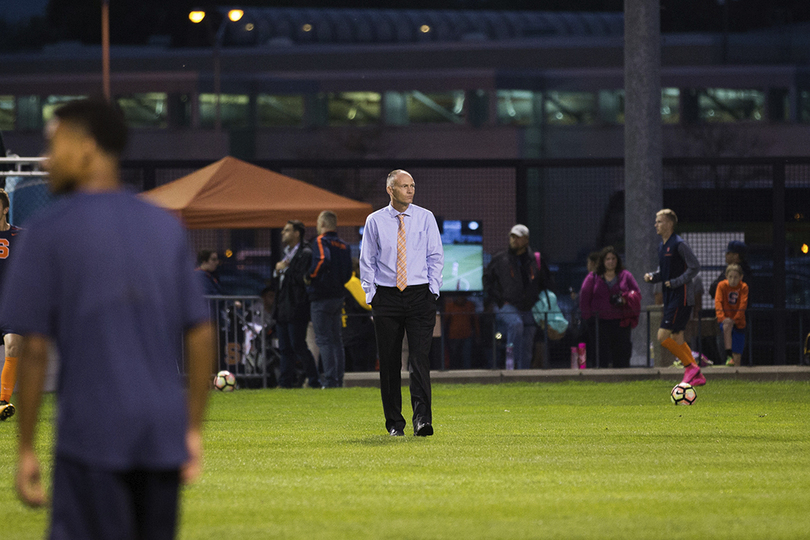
[394,212]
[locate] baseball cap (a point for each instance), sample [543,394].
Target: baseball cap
[520,230]
[737,246]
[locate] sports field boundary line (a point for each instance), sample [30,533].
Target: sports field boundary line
[485,376]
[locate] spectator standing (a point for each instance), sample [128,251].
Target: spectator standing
[603,300]
[207,264]
[511,287]
[292,308]
[359,341]
[330,269]
[462,327]
[401,262]
[735,254]
[730,302]
[677,267]
[110,279]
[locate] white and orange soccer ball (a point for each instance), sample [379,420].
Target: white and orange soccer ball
[224,381]
[683,394]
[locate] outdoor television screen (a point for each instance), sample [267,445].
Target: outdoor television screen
[463,255]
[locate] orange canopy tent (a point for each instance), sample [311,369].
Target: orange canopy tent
[233,194]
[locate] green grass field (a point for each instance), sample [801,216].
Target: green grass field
[509,461]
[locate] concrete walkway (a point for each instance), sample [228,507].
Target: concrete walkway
[674,375]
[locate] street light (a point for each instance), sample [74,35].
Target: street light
[198,16]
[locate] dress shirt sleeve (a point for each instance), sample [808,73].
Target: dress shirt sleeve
[435,256]
[369,255]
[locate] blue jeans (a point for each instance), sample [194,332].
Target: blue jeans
[328,326]
[519,327]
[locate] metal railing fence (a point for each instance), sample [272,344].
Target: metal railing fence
[247,346]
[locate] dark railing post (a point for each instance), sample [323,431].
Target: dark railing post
[596,352]
[649,340]
[750,329]
[545,363]
[779,275]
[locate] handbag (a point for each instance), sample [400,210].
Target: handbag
[547,309]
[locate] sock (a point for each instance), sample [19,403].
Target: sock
[728,353]
[8,378]
[684,355]
[687,351]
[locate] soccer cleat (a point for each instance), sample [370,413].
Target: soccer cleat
[730,361]
[677,364]
[693,376]
[7,410]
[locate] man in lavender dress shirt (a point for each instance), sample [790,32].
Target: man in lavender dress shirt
[401,261]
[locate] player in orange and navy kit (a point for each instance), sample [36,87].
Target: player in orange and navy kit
[8,237]
[677,267]
[730,302]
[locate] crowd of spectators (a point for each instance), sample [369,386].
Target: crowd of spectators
[516,324]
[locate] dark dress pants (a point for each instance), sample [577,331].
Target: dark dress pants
[292,344]
[395,312]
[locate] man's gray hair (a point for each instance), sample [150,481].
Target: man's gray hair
[393,176]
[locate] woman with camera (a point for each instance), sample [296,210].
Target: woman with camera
[608,301]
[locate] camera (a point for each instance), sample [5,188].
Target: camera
[616,300]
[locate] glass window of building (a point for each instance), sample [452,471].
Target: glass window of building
[354,108]
[441,107]
[51,103]
[730,105]
[234,110]
[280,110]
[570,108]
[670,105]
[7,110]
[611,106]
[518,107]
[145,110]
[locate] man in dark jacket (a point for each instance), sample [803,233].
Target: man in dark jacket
[292,307]
[511,287]
[330,269]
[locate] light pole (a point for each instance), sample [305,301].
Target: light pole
[198,16]
[105,48]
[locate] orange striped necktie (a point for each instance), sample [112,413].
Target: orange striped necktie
[402,268]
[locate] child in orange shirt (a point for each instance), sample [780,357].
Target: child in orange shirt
[730,302]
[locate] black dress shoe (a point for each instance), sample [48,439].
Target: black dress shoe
[423,429]
[396,432]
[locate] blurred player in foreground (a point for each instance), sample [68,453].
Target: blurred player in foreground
[110,280]
[11,340]
[677,267]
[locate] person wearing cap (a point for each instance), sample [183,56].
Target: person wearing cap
[511,288]
[735,254]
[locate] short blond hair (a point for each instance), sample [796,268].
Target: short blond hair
[328,219]
[669,214]
[734,267]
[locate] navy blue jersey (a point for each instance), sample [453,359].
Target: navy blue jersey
[331,267]
[678,265]
[8,239]
[111,280]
